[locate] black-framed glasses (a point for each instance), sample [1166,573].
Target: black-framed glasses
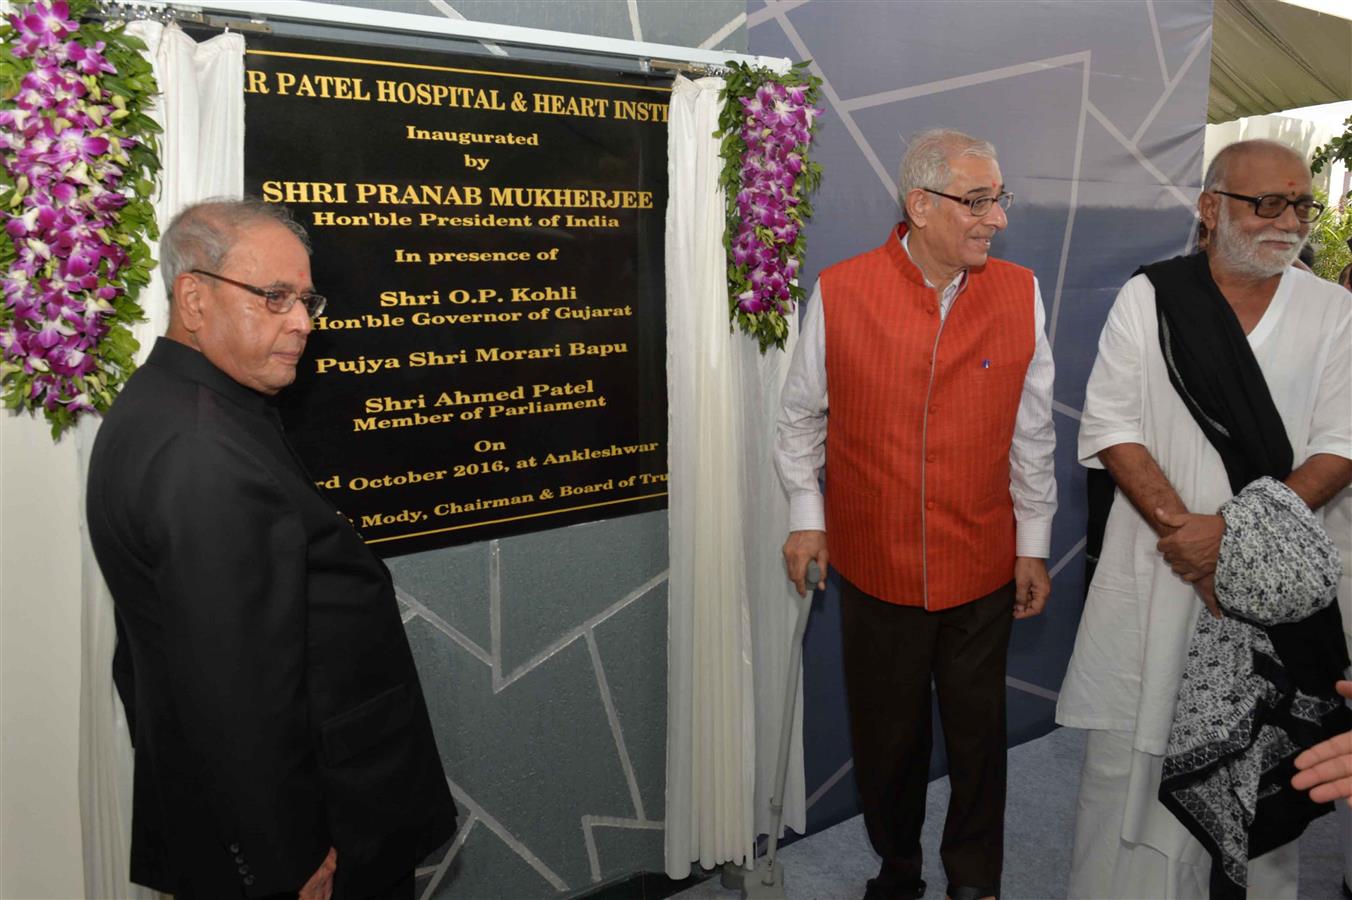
[278,300]
[980,206]
[1270,206]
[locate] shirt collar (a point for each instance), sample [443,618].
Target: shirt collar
[951,289]
[193,365]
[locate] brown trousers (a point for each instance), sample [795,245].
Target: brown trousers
[891,653]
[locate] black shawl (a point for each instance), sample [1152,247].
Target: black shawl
[1257,687]
[1215,372]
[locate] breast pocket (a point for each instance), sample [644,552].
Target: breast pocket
[366,725]
[989,400]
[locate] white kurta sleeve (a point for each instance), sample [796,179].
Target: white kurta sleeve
[1032,452]
[800,432]
[1114,396]
[1331,419]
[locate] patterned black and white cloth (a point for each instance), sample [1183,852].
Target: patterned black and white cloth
[1258,684]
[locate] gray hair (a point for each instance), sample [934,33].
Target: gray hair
[202,235]
[1220,163]
[925,164]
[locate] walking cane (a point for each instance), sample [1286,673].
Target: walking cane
[766,880]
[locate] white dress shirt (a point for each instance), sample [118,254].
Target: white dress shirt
[800,433]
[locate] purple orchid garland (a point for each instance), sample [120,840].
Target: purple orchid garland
[766,126]
[79,157]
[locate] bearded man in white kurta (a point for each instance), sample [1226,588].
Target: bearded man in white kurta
[1163,537]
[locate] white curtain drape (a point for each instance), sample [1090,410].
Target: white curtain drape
[201,109]
[731,614]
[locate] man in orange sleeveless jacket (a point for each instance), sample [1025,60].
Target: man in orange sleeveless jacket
[939,499]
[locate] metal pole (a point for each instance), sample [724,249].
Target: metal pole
[786,724]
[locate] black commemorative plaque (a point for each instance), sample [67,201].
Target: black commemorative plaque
[489,233]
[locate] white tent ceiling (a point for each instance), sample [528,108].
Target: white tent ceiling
[1268,56]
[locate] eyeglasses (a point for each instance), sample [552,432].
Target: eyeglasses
[1270,206]
[278,300]
[980,206]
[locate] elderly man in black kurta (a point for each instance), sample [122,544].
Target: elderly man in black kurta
[282,742]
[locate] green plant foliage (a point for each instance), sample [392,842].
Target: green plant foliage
[1329,237]
[1340,149]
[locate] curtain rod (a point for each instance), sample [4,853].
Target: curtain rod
[259,12]
[133,10]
